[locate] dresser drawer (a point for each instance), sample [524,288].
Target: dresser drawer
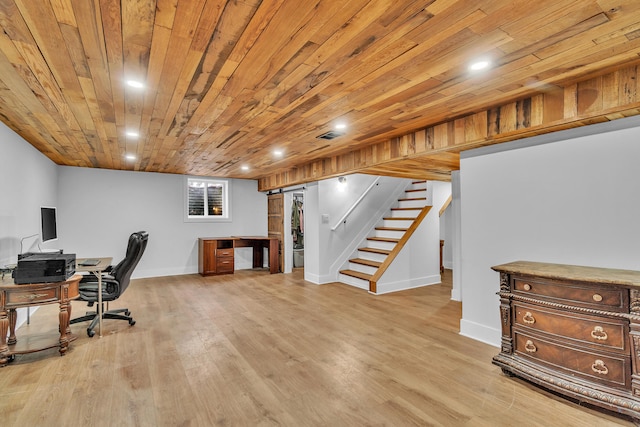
[609,334]
[608,298]
[604,368]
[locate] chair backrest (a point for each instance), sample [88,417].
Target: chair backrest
[122,272]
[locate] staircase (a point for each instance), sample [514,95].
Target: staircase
[388,239]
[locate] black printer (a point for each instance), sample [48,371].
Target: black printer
[42,267]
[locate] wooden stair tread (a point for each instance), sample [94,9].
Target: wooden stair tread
[358,274]
[412,199]
[375,251]
[419,182]
[406,209]
[367,262]
[417,189]
[393,218]
[383,239]
[391,229]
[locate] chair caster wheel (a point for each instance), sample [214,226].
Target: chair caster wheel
[132,322]
[91,332]
[127,313]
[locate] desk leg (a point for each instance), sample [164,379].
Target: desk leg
[4,348]
[274,256]
[13,318]
[65,309]
[99,303]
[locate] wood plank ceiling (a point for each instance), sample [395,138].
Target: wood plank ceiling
[227,83]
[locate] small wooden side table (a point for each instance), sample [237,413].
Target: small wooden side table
[14,296]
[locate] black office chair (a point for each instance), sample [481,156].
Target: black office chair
[113,284]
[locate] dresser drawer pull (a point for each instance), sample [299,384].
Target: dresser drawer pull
[599,333]
[599,368]
[530,348]
[597,297]
[528,318]
[527,287]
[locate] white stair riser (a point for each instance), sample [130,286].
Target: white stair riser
[389,234]
[354,281]
[405,214]
[371,256]
[412,203]
[397,223]
[380,245]
[362,268]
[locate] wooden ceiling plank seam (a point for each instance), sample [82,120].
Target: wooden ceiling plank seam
[406,58]
[230,26]
[201,120]
[43,26]
[63,9]
[507,123]
[355,27]
[572,73]
[36,102]
[23,43]
[10,109]
[185,22]
[137,26]
[165,13]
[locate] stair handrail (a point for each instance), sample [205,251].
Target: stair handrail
[362,196]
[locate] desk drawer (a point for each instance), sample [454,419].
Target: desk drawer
[599,332]
[227,252]
[600,367]
[39,296]
[224,265]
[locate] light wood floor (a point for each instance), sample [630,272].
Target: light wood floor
[253,349]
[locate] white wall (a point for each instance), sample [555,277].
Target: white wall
[446,234]
[99,208]
[334,247]
[418,263]
[28,180]
[574,201]
[312,249]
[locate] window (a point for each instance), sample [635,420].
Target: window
[207,200]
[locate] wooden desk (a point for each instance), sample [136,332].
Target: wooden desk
[96,270]
[14,296]
[216,256]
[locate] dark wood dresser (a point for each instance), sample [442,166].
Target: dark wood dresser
[574,330]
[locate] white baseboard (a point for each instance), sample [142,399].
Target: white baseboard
[403,285]
[354,281]
[480,333]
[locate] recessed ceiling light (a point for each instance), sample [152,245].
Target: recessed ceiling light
[244,167]
[132,134]
[341,126]
[277,153]
[135,83]
[130,157]
[479,65]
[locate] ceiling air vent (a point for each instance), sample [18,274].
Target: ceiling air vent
[330,135]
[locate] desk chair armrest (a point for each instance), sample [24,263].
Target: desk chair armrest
[89,288]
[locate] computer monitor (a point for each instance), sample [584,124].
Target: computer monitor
[49,228]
